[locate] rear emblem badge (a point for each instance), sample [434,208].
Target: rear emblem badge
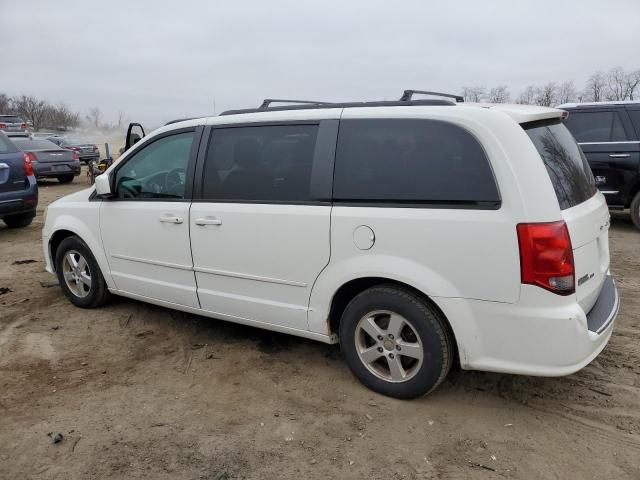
[585,278]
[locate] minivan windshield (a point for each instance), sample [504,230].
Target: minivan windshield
[567,166]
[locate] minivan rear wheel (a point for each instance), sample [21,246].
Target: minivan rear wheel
[79,274]
[395,342]
[635,210]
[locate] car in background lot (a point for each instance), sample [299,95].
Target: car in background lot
[48,159]
[87,152]
[13,125]
[609,134]
[416,233]
[18,186]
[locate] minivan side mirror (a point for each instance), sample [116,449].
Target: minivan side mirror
[103,185]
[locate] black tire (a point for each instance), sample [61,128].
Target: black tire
[65,179]
[426,322]
[19,221]
[635,210]
[98,294]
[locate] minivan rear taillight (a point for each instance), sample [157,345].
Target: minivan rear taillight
[75,156]
[546,256]
[28,167]
[23,126]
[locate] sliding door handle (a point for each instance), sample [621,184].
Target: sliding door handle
[171,219]
[620,155]
[207,221]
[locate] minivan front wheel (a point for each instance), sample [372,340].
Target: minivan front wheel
[79,275]
[395,342]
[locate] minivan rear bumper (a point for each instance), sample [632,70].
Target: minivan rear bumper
[543,334]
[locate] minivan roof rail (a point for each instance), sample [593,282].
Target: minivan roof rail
[268,101]
[314,106]
[407,96]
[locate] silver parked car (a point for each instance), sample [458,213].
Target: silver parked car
[13,125]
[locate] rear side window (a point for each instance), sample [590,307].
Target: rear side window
[412,162]
[5,144]
[596,126]
[566,164]
[270,163]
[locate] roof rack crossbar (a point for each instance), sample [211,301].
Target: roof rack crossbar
[408,95]
[268,101]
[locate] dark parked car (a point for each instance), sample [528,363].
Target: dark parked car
[86,151]
[18,186]
[48,159]
[609,134]
[13,125]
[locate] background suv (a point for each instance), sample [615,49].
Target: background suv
[609,134]
[417,233]
[18,186]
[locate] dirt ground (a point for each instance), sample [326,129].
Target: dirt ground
[139,391]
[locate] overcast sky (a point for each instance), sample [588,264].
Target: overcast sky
[159,60]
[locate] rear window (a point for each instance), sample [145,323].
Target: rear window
[596,126]
[34,144]
[412,162]
[5,144]
[10,119]
[566,164]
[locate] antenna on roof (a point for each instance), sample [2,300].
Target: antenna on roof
[268,101]
[408,95]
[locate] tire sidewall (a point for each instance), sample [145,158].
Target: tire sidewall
[74,243]
[435,363]
[635,210]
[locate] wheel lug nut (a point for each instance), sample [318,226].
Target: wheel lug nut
[380,349]
[397,347]
[391,336]
[379,337]
[391,355]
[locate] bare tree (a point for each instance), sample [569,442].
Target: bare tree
[567,92]
[528,96]
[94,117]
[499,94]
[632,83]
[60,117]
[595,88]
[473,94]
[5,104]
[31,109]
[122,119]
[547,95]
[617,84]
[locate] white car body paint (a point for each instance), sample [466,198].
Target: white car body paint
[279,266]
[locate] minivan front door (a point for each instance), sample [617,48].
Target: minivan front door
[259,233]
[145,226]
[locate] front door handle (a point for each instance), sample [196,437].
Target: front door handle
[171,219]
[620,155]
[207,221]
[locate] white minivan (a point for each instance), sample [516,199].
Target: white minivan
[416,233]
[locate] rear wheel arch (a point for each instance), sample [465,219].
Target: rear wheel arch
[352,288]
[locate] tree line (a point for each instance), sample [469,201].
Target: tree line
[40,113]
[614,85]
